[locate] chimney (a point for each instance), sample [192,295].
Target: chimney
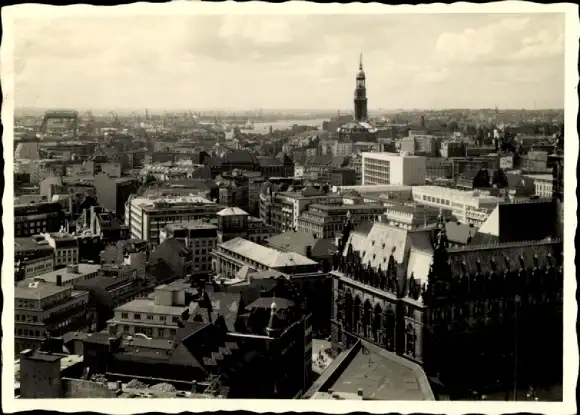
[59,280]
[119,386]
[309,251]
[360,392]
[194,386]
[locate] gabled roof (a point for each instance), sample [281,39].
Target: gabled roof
[378,245]
[298,241]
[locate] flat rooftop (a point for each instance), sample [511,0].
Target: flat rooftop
[83,269]
[29,290]
[383,375]
[147,306]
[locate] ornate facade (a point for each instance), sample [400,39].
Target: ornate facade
[481,316]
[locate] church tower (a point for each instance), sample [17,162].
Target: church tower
[360,95]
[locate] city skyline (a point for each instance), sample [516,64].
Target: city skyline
[455,61]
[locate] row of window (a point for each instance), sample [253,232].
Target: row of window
[24,318]
[148,317]
[28,332]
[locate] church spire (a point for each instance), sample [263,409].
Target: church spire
[360,94]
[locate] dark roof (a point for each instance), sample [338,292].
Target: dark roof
[459,233]
[421,240]
[108,221]
[298,241]
[266,303]
[327,160]
[266,161]
[499,252]
[225,304]
[240,157]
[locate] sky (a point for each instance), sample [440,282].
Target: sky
[247,62]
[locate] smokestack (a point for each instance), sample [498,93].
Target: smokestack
[360,392]
[59,280]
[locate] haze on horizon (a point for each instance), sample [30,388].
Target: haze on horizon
[241,62]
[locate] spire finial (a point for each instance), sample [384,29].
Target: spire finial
[360,62]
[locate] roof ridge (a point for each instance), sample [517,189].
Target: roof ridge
[552,241]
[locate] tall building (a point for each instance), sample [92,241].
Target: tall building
[359,129]
[392,168]
[360,95]
[147,217]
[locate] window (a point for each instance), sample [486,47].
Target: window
[137,316]
[161,332]
[175,319]
[162,318]
[125,315]
[149,317]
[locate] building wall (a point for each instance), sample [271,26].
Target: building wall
[156,326]
[38,266]
[85,389]
[40,379]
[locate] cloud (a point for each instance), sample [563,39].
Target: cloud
[282,61]
[509,40]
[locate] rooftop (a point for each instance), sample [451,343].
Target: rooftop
[147,306]
[67,274]
[156,202]
[388,156]
[264,255]
[190,225]
[383,375]
[232,211]
[36,290]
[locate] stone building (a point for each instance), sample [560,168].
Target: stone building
[474,317]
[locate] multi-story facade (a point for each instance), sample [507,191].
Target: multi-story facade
[155,318]
[388,191]
[36,218]
[467,206]
[452,168]
[147,217]
[231,256]
[31,258]
[46,309]
[326,222]
[66,248]
[543,184]
[392,168]
[410,215]
[199,237]
[446,309]
[288,206]
[113,192]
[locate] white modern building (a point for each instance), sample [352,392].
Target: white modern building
[467,206]
[147,217]
[393,169]
[543,184]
